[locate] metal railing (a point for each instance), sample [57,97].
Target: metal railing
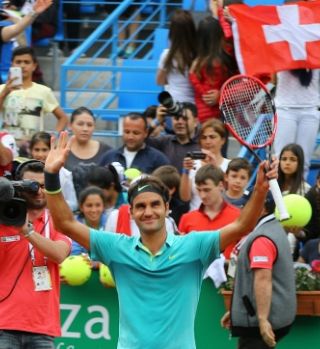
[100,80]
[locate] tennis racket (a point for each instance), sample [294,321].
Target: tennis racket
[250,115]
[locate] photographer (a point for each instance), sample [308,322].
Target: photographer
[30,256]
[185,128]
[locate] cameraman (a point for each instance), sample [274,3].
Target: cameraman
[185,137]
[29,257]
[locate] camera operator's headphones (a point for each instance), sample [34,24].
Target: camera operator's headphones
[19,164]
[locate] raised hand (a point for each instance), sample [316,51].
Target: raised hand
[58,153]
[41,5]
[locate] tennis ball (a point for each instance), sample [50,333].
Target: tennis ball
[132,173]
[75,270]
[105,276]
[299,209]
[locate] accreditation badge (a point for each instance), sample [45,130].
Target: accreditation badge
[41,278]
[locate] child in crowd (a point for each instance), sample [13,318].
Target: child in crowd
[175,62]
[107,179]
[291,169]
[92,213]
[237,177]
[291,181]
[39,147]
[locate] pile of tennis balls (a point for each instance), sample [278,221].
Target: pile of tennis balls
[77,270]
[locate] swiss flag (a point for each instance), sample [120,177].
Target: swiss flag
[268,39]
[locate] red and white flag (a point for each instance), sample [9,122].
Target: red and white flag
[268,39]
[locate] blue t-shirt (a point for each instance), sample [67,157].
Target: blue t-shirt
[158,294]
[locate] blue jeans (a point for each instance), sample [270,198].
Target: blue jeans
[24,340]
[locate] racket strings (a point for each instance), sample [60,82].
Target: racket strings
[248,110]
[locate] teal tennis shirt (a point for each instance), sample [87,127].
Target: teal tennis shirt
[158,294]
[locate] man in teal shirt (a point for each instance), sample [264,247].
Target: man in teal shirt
[158,275]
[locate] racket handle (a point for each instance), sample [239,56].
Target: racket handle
[278,199]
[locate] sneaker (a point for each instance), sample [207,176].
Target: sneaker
[51,52]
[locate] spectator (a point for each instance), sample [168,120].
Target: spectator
[175,62]
[310,251]
[7,152]
[24,107]
[9,32]
[107,179]
[85,152]
[291,170]
[135,153]
[297,102]
[170,176]
[212,137]
[264,300]
[211,68]
[30,258]
[39,149]
[156,263]
[92,205]
[312,229]
[185,138]
[214,212]
[291,182]
[237,178]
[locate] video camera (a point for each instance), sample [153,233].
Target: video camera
[13,210]
[173,108]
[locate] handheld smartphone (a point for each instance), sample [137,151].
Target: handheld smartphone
[16,74]
[196,155]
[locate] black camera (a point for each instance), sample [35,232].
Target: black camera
[173,108]
[13,210]
[196,155]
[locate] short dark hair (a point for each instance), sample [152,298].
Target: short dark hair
[238,164]
[24,50]
[35,166]
[169,175]
[192,107]
[91,190]
[154,183]
[209,171]
[137,116]
[79,111]
[104,177]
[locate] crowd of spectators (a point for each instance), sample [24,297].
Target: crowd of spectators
[207,189]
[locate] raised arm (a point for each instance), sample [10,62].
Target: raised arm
[13,30]
[62,216]
[252,210]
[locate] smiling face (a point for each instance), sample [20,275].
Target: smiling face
[82,127]
[92,209]
[134,133]
[35,200]
[149,212]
